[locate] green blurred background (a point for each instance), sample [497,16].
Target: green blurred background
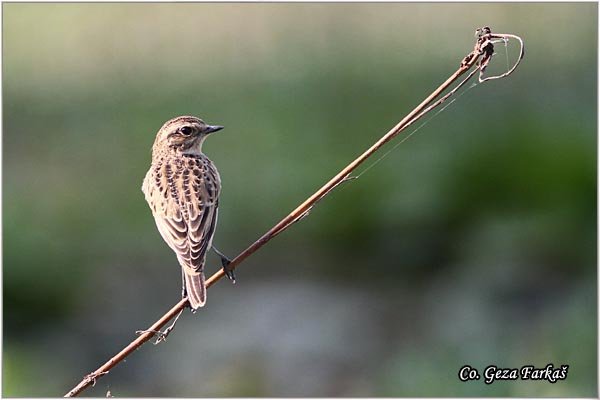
[474,242]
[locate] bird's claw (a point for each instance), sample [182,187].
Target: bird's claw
[225,263]
[228,271]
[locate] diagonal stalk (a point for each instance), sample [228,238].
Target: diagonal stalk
[483,49]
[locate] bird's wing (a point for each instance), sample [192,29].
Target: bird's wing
[184,205]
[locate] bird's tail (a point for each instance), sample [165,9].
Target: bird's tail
[196,289]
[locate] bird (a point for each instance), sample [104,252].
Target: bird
[182,188]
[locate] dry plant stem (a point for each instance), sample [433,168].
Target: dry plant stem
[483,47]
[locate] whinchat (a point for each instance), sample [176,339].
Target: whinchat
[182,188]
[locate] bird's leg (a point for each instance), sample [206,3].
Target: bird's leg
[183,291]
[225,263]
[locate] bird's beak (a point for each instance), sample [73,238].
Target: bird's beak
[212,128]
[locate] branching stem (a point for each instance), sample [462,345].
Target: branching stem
[479,57]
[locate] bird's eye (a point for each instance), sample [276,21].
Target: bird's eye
[186,130]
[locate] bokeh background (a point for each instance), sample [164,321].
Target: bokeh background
[474,242]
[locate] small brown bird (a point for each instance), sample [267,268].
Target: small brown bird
[182,188]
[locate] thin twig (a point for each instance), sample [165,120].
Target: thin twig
[483,48]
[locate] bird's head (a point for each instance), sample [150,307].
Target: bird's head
[183,134]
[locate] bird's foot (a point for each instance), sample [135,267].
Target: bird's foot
[225,261]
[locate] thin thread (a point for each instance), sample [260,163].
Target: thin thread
[415,131]
[506,53]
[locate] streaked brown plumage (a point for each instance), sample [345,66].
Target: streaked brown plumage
[182,188]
